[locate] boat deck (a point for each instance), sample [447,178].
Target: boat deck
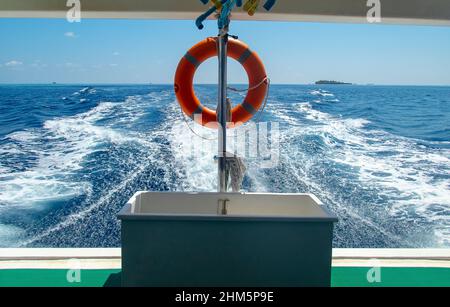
[341,277]
[101,267]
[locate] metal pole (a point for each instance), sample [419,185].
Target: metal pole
[222,108]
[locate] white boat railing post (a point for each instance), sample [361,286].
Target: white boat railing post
[222,108]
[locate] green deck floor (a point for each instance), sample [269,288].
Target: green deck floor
[341,276]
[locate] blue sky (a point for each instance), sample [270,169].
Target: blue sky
[142,51]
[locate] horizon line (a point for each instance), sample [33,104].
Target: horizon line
[150,83]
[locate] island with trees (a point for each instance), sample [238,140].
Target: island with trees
[330,82]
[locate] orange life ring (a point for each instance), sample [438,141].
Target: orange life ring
[184,78]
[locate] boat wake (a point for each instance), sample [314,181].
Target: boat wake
[62,184]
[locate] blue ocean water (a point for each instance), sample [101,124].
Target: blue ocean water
[72,155]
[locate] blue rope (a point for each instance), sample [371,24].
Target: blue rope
[227,7]
[269,4]
[200,19]
[224,19]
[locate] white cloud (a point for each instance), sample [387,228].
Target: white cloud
[38,64]
[71,65]
[13,63]
[113,65]
[69,34]
[116,53]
